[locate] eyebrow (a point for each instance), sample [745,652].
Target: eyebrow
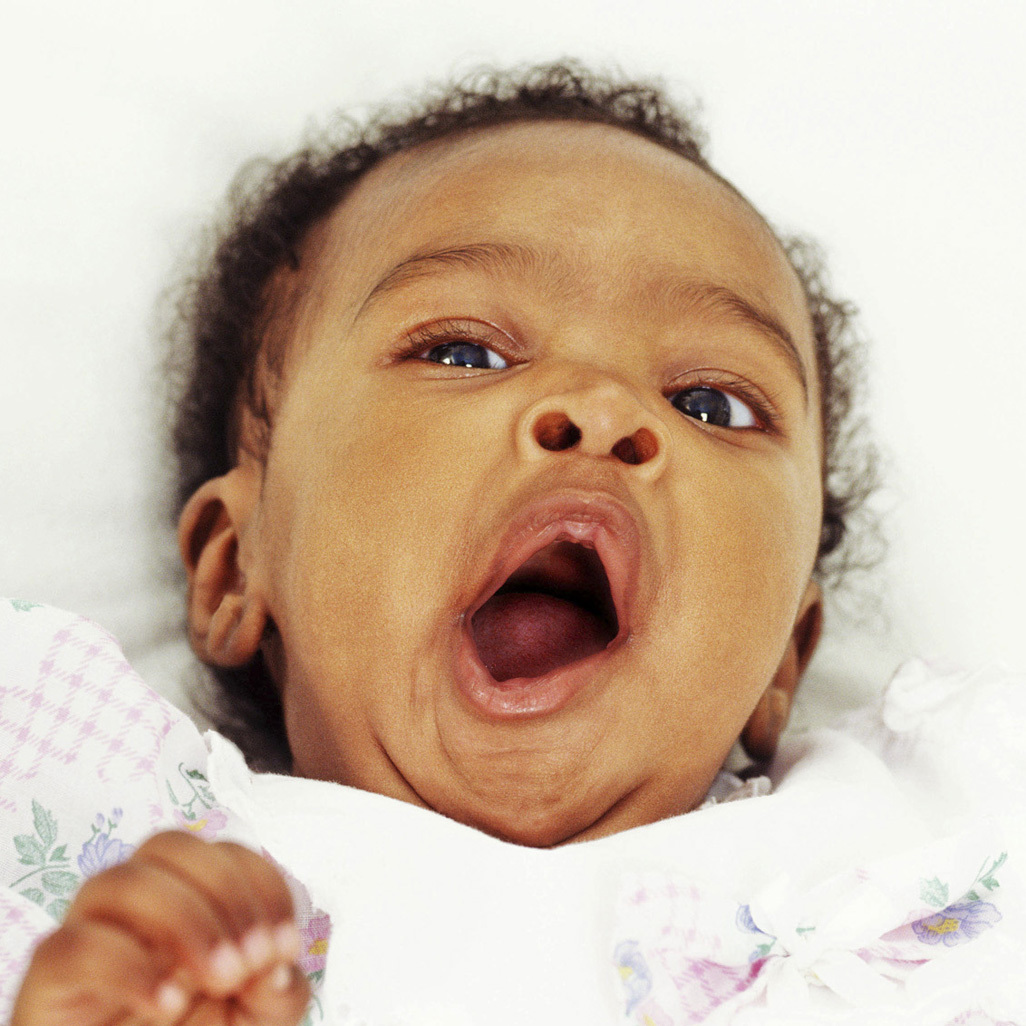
[715,299]
[524,261]
[482,256]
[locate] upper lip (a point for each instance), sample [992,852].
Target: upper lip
[594,519]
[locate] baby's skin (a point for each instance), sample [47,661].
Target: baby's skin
[184,932]
[552,343]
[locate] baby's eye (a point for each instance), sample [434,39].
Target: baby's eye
[713,406]
[466,354]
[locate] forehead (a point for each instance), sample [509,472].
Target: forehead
[600,207]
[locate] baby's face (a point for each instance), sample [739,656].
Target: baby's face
[557,362]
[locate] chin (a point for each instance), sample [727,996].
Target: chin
[542,815]
[544,828]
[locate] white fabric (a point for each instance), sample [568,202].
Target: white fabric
[881,881]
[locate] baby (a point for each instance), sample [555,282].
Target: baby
[511,467]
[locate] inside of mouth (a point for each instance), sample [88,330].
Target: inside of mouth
[555,609]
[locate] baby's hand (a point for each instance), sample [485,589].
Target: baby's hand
[183,932]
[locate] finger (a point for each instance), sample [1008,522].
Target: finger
[166,914]
[209,868]
[250,894]
[88,972]
[277,997]
[247,889]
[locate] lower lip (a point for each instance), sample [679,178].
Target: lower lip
[523,697]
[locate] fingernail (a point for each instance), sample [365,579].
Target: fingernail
[287,941]
[171,999]
[227,965]
[280,978]
[258,947]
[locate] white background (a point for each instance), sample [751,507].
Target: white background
[894,133]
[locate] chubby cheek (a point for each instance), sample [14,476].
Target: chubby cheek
[730,596]
[367,504]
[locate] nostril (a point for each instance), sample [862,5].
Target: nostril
[626,451]
[556,431]
[638,448]
[646,444]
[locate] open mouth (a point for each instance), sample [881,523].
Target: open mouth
[553,610]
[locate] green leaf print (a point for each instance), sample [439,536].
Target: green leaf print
[59,882]
[46,825]
[21,606]
[201,793]
[59,908]
[31,851]
[934,893]
[987,877]
[35,852]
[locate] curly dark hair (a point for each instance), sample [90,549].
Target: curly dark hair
[228,337]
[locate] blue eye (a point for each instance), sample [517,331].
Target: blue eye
[466,354]
[713,406]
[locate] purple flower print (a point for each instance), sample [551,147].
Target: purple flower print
[744,921]
[634,973]
[208,825]
[102,852]
[957,923]
[314,927]
[315,932]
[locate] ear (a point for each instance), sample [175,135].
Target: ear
[767,722]
[227,617]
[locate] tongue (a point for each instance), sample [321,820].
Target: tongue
[526,634]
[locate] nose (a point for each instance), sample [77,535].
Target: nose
[602,419]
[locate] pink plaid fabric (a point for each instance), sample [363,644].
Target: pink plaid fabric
[22,924]
[76,712]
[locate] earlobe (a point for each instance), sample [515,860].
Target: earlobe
[227,617]
[768,720]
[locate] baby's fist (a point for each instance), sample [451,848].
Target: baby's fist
[183,932]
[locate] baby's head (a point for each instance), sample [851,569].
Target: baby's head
[508,462]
